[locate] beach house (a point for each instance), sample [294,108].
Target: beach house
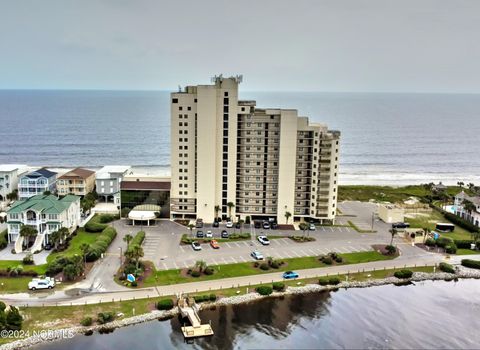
[46,214]
[37,182]
[9,174]
[108,181]
[468,208]
[78,181]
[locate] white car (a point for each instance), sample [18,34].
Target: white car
[311,226]
[257,255]
[229,224]
[41,283]
[196,246]
[264,240]
[209,234]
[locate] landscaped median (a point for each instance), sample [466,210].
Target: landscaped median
[175,276]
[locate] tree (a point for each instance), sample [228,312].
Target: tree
[14,319]
[135,252]
[191,227]
[70,272]
[393,232]
[201,265]
[468,206]
[54,238]
[47,193]
[217,210]
[230,205]
[128,238]
[460,184]
[288,215]
[471,186]
[426,231]
[84,247]
[303,226]
[13,196]
[27,232]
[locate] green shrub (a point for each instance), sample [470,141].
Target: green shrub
[13,319]
[451,249]
[213,297]
[106,218]
[473,264]
[460,222]
[86,321]
[391,249]
[137,240]
[442,242]
[165,304]
[264,266]
[430,242]
[3,306]
[327,260]
[403,274]
[325,281]
[209,271]
[195,273]
[3,239]
[264,290]
[275,264]
[28,259]
[463,243]
[134,284]
[94,227]
[105,317]
[101,244]
[278,286]
[202,298]
[443,266]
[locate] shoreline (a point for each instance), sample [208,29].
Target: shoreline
[460,273]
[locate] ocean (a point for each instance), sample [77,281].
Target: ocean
[387,138]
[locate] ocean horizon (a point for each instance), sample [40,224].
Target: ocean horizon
[387,138]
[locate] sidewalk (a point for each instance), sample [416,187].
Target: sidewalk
[62,297]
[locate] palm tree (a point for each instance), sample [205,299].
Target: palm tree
[135,252]
[191,227]
[84,249]
[393,232]
[63,232]
[303,226]
[54,238]
[288,215]
[230,205]
[27,232]
[460,184]
[200,265]
[217,209]
[469,207]
[426,231]
[128,238]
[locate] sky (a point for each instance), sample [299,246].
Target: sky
[295,45]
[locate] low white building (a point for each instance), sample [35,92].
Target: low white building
[9,175]
[108,181]
[470,213]
[45,213]
[391,213]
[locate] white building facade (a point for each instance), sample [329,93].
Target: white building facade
[9,174]
[227,154]
[473,215]
[37,182]
[108,180]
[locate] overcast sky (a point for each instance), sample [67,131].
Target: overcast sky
[410,46]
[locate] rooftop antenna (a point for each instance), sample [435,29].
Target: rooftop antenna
[179,88]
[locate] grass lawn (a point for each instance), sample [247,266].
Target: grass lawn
[430,221]
[74,247]
[166,277]
[387,193]
[467,252]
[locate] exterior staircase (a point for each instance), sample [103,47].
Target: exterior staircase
[19,244]
[37,246]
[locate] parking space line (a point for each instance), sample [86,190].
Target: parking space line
[224,261]
[353,248]
[312,251]
[245,243]
[165,266]
[228,245]
[183,250]
[175,264]
[303,252]
[323,228]
[233,259]
[286,240]
[242,258]
[214,262]
[348,229]
[288,255]
[331,228]
[236,243]
[185,264]
[295,253]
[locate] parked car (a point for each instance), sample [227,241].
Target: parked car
[48,246]
[257,224]
[273,225]
[238,225]
[199,234]
[215,224]
[229,224]
[311,226]
[266,225]
[264,240]
[224,234]
[196,246]
[209,234]
[257,255]
[41,283]
[214,244]
[290,274]
[199,223]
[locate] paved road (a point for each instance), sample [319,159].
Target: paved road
[64,298]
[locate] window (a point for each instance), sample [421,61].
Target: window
[225,93]
[180,108]
[195,100]
[189,108]
[174,100]
[225,101]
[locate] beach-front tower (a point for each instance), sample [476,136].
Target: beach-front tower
[231,157]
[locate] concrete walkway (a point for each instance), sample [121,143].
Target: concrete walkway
[66,297]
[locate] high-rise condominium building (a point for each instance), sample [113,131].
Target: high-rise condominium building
[230,158]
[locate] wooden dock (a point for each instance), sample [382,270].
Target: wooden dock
[189,309]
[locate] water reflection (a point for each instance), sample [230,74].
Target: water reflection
[428,315]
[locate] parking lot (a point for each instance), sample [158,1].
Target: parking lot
[162,243]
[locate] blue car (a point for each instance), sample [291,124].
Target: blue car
[290,274]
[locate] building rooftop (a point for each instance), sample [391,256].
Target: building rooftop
[12,167]
[78,173]
[474,199]
[106,171]
[46,204]
[41,172]
[145,185]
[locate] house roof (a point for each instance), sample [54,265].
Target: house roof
[46,204]
[11,167]
[475,200]
[78,173]
[41,172]
[107,171]
[145,185]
